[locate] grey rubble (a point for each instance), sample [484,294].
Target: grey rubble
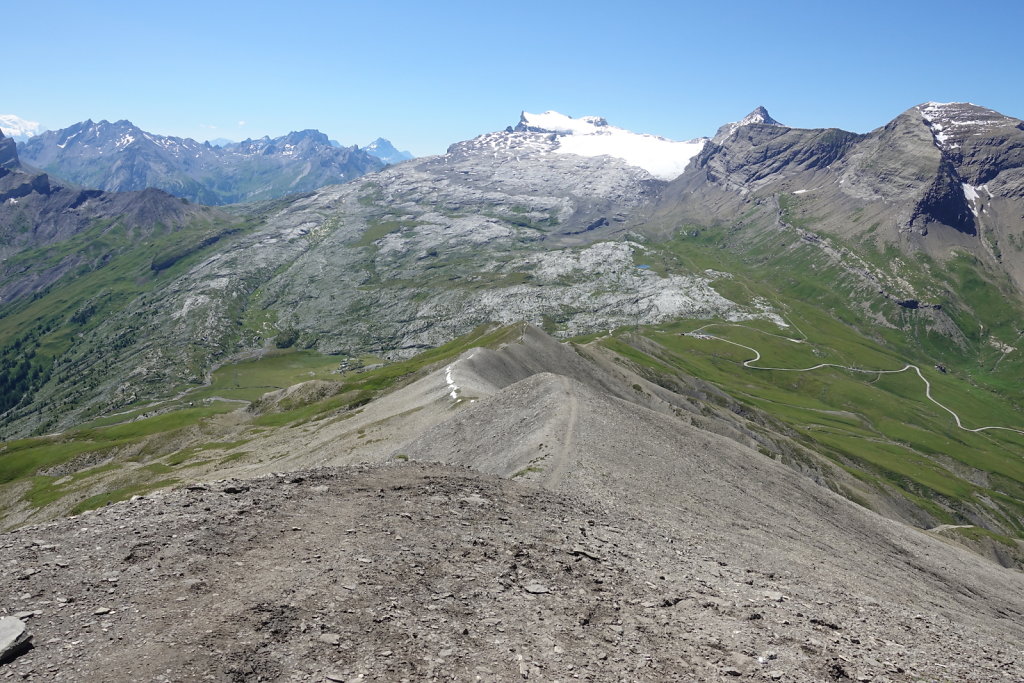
[632,567]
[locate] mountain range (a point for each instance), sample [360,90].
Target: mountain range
[120,157]
[786,360]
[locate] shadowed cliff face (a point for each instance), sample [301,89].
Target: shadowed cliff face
[755,154]
[8,154]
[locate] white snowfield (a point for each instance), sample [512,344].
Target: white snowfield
[15,126]
[591,136]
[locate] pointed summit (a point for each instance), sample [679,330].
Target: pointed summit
[386,152]
[758,116]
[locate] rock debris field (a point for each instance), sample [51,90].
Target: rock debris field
[414,571]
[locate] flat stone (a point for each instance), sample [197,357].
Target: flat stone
[15,640]
[535,588]
[330,638]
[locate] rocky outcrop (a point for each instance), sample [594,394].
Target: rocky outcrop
[8,154]
[758,116]
[15,640]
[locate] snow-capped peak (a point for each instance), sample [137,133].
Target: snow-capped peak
[591,136]
[560,124]
[758,116]
[18,128]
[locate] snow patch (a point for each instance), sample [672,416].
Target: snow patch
[68,139]
[971,195]
[949,120]
[451,385]
[970,192]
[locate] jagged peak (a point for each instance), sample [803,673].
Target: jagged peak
[759,116]
[383,149]
[306,134]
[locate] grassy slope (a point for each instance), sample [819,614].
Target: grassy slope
[140,453]
[118,267]
[879,427]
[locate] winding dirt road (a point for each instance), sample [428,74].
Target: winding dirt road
[700,334]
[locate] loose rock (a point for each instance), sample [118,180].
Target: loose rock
[15,640]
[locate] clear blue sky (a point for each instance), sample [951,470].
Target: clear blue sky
[427,73]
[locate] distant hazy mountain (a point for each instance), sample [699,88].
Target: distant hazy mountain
[37,212]
[19,129]
[386,152]
[121,157]
[221,142]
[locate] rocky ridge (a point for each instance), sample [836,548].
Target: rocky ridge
[419,570]
[937,178]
